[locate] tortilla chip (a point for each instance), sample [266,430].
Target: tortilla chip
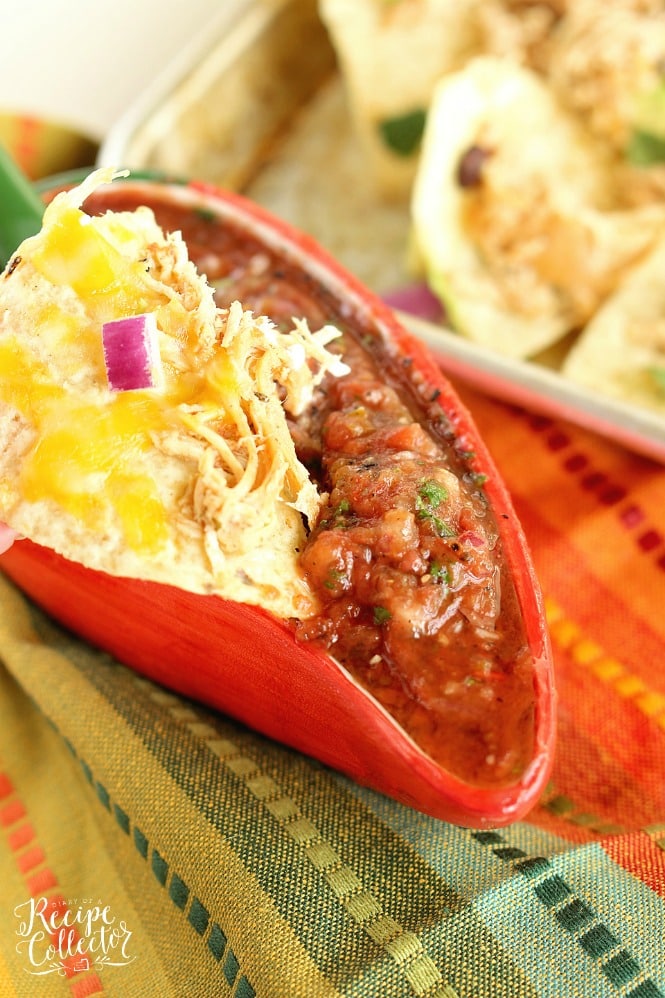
[515,236]
[621,353]
[194,482]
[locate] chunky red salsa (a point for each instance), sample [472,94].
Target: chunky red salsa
[405,557]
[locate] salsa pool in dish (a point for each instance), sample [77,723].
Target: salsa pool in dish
[406,559]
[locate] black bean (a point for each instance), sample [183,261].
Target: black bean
[470,169]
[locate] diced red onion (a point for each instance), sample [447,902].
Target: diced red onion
[416,299]
[472,538]
[131,353]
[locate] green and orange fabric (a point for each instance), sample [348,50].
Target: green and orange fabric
[200,859]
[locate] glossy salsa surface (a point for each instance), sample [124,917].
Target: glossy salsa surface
[416,602]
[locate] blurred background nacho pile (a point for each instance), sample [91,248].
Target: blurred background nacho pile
[504,159]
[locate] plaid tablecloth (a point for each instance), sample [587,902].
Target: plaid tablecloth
[183,855]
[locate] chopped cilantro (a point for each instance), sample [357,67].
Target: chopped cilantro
[403,133]
[337,514]
[442,528]
[440,572]
[658,375]
[381,615]
[645,148]
[429,497]
[205,214]
[432,492]
[478,478]
[336,579]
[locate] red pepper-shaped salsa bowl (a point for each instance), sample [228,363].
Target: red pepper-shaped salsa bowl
[269,673]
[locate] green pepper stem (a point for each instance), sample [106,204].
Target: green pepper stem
[21,209]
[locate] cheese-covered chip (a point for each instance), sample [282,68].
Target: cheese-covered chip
[193,480]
